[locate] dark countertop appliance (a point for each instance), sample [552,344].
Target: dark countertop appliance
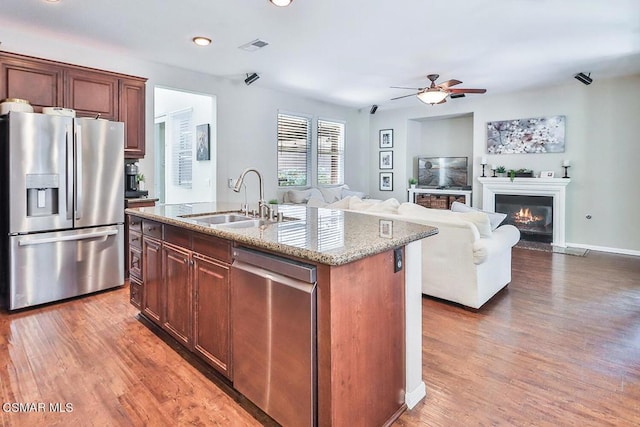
[131,183]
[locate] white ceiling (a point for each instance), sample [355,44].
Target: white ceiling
[349,52]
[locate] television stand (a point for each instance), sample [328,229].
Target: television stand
[435,198]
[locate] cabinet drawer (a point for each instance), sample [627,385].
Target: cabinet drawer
[177,236]
[135,223]
[152,228]
[135,292]
[135,262]
[213,247]
[135,239]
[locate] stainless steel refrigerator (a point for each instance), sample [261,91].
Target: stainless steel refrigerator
[63,207]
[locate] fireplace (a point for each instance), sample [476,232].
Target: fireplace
[532,215]
[553,188]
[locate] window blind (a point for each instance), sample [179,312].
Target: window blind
[330,152]
[294,150]
[182,148]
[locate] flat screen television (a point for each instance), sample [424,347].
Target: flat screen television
[442,171]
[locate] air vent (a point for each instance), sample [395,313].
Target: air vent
[254,45]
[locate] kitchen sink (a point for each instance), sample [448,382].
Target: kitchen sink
[218,218]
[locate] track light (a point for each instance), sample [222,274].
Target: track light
[374,108]
[251,78]
[583,78]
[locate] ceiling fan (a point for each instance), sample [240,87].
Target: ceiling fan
[437,93]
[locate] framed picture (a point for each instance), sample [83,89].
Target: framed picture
[526,136]
[386,228]
[386,181]
[547,174]
[202,141]
[386,138]
[386,160]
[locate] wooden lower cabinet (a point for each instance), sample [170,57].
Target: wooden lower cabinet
[178,295]
[212,305]
[152,302]
[184,291]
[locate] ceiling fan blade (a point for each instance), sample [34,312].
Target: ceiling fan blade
[405,96]
[402,87]
[443,101]
[467,90]
[449,83]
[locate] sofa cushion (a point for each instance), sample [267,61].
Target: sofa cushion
[495,218]
[479,219]
[340,204]
[374,206]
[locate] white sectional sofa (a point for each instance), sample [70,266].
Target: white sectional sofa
[467,262]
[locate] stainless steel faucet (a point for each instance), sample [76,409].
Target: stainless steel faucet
[263,207]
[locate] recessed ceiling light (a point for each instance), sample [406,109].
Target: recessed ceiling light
[52,1]
[202,41]
[281,3]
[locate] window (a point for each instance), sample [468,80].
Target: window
[294,150]
[182,148]
[330,152]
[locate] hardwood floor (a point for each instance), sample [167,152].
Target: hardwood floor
[559,346]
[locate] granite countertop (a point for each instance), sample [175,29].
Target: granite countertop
[325,236]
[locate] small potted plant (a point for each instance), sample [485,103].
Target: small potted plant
[512,174]
[140,181]
[413,182]
[501,170]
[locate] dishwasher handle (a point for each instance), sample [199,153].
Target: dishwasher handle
[283,266]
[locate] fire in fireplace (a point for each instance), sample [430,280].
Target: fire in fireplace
[532,215]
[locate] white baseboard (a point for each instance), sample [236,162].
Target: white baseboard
[604,249]
[413,397]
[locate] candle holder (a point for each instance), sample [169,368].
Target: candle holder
[494,173]
[565,171]
[483,175]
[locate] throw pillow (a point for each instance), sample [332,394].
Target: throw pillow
[349,193]
[331,194]
[388,206]
[495,218]
[340,204]
[316,202]
[479,219]
[298,196]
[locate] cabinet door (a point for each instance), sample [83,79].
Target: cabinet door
[152,278]
[38,82]
[212,329]
[92,93]
[132,113]
[178,294]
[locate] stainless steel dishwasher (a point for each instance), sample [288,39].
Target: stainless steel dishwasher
[274,335]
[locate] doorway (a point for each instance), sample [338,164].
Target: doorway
[184,121]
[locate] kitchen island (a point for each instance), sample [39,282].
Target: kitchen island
[368,343]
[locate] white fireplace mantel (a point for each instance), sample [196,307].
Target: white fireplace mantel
[550,187]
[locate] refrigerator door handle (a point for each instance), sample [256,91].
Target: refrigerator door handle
[29,242]
[69,169]
[78,207]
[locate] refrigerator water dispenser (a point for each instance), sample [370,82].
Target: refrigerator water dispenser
[42,194]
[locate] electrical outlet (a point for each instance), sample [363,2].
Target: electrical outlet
[231,182]
[397,260]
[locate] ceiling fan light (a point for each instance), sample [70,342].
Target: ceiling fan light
[432,96]
[281,3]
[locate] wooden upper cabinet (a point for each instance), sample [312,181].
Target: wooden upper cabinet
[38,82]
[132,113]
[92,94]
[88,91]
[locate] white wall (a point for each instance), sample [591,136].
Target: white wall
[602,143]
